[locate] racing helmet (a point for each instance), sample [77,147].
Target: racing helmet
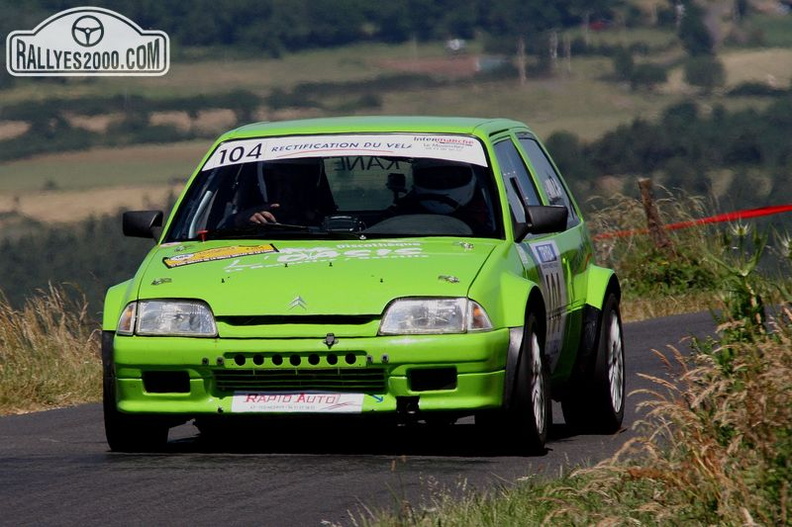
[443,189]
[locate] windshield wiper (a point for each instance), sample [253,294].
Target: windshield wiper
[250,231]
[277,230]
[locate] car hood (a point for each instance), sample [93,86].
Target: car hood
[311,277]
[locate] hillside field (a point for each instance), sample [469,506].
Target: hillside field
[578,97]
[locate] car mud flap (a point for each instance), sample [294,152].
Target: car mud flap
[587,350]
[515,342]
[588,337]
[108,363]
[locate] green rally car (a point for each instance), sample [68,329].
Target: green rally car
[414,268]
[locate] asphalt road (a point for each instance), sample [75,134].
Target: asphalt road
[55,468]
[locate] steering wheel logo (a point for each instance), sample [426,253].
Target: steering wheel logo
[87,31]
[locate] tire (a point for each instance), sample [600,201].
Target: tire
[531,413]
[597,405]
[525,425]
[129,433]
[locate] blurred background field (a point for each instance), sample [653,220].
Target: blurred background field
[694,94]
[606,85]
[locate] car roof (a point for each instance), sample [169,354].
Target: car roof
[377,124]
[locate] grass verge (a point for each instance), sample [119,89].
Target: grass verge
[714,449]
[49,355]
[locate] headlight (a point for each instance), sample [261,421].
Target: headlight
[421,316]
[182,318]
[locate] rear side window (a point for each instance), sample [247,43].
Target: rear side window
[548,177]
[513,169]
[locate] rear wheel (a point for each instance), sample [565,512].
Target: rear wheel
[597,404]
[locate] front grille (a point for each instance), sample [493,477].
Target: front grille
[354,380]
[273,320]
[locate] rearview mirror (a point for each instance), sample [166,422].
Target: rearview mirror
[142,223]
[541,219]
[546,219]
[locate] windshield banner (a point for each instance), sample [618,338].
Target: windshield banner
[447,147]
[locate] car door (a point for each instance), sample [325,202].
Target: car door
[573,244]
[541,255]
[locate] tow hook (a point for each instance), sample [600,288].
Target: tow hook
[407,408]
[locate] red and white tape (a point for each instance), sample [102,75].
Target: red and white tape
[729,216]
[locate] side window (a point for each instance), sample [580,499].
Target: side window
[548,177]
[513,167]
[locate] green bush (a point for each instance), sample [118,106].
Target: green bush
[649,271]
[623,64]
[706,72]
[69,254]
[756,89]
[647,76]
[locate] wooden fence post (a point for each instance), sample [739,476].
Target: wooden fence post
[656,231]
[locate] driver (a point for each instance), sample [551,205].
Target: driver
[291,192]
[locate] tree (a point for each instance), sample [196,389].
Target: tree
[623,64]
[570,156]
[739,10]
[647,76]
[706,72]
[695,36]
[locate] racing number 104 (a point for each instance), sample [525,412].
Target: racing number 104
[235,154]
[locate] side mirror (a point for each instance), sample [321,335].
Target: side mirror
[142,223]
[541,219]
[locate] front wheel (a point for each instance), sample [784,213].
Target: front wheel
[531,412]
[525,425]
[130,433]
[597,404]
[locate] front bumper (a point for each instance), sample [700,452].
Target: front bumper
[198,376]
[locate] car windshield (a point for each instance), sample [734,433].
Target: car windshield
[306,195]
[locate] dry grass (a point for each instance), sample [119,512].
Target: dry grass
[717,440]
[49,355]
[770,66]
[71,186]
[11,129]
[714,448]
[103,167]
[682,274]
[71,207]
[634,309]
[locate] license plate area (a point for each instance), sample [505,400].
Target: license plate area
[298,403]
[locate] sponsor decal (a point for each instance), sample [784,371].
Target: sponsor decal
[555,292]
[219,253]
[343,252]
[87,41]
[446,147]
[315,403]
[546,252]
[554,191]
